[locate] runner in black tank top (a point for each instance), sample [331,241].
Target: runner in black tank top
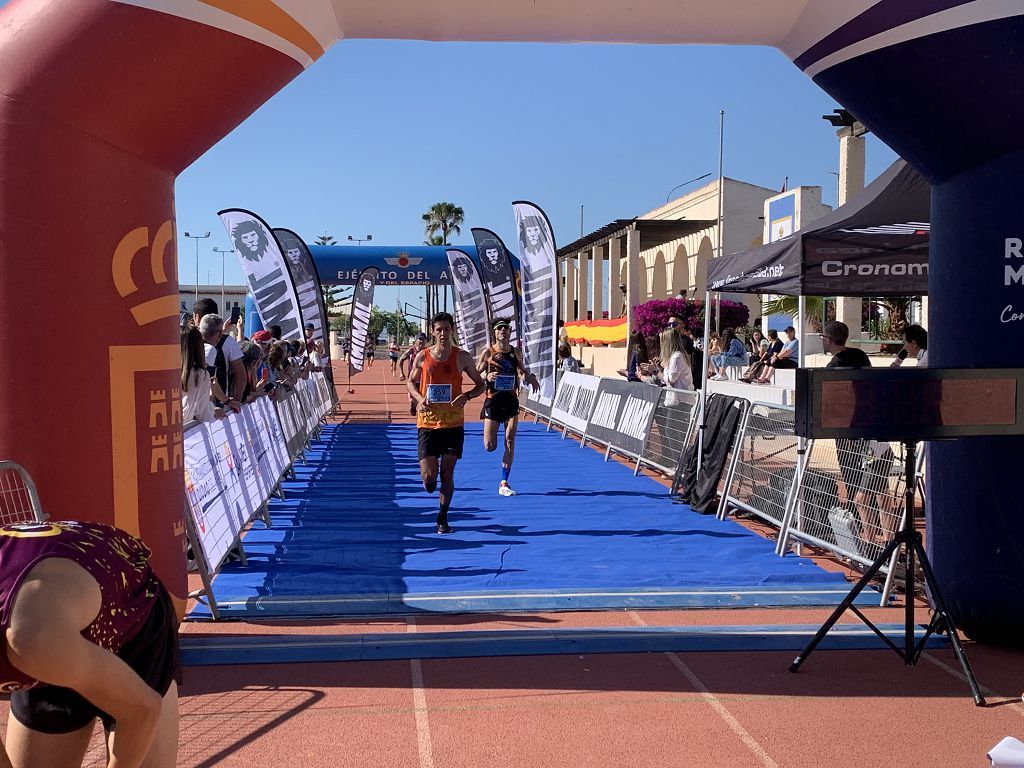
[501,366]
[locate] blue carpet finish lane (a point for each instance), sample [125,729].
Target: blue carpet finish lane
[356,536]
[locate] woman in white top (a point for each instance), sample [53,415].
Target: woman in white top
[677,371]
[196,395]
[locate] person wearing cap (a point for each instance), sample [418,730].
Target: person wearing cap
[501,366]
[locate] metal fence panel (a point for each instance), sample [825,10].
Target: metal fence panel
[850,500]
[671,430]
[621,417]
[762,477]
[19,500]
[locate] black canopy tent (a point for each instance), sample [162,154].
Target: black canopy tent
[874,245]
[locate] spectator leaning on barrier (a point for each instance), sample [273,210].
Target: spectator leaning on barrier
[787,357]
[196,394]
[915,344]
[566,362]
[636,356]
[252,356]
[676,370]
[219,350]
[696,358]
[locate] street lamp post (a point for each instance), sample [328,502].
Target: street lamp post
[197,238]
[680,186]
[361,240]
[222,252]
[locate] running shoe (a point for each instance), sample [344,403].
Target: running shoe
[505,489]
[444,528]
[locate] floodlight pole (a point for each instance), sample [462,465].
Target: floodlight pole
[197,238]
[721,204]
[223,252]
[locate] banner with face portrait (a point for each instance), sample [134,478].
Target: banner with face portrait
[470,305]
[307,285]
[539,272]
[499,279]
[362,303]
[266,272]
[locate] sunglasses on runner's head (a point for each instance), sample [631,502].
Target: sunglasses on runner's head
[672,325]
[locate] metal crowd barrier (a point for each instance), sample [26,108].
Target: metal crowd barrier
[849,501]
[762,476]
[19,499]
[674,426]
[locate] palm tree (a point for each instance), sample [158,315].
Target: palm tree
[443,218]
[434,240]
[787,305]
[325,239]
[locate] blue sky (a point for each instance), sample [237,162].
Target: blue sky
[376,131]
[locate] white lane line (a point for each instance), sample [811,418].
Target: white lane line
[734,725]
[419,705]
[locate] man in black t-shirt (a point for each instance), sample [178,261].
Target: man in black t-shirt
[833,339]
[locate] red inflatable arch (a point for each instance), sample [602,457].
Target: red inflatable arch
[103,102]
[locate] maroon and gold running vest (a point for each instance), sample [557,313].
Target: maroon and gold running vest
[440,415]
[118,561]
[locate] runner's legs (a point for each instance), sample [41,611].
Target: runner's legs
[448,462]
[428,473]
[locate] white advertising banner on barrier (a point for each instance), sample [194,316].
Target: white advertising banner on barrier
[231,467]
[574,400]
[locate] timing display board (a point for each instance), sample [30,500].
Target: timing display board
[908,404]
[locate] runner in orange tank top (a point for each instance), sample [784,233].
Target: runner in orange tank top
[435,383]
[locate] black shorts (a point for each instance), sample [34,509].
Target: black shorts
[785,362]
[500,407]
[153,653]
[439,442]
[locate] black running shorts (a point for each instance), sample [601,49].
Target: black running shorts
[500,407]
[439,442]
[153,654]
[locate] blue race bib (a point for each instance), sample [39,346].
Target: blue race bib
[504,383]
[439,393]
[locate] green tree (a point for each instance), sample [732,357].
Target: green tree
[434,240]
[326,239]
[332,296]
[444,220]
[390,324]
[788,305]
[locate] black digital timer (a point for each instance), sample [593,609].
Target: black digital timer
[908,404]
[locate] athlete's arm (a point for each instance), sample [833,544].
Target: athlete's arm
[528,377]
[55,603]
[466,365]
[405,358]
[412,384]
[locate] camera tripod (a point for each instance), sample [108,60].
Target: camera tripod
[940,622]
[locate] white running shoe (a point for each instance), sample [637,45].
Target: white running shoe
[505,489]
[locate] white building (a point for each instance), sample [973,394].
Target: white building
[226,296]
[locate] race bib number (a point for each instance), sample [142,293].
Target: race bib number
[504,383]
[439,393]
